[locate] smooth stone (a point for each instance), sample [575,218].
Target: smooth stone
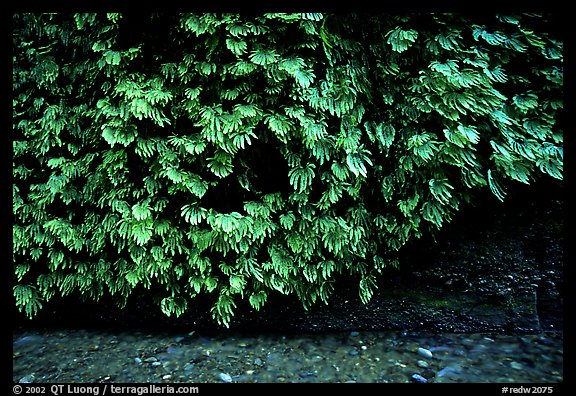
[440,349]
[258,362]
[272,356]
[354,353]
[137,360]
[169,365]
[354,334]
[172,349]
[516,366]
[179,339]
[225,377]
[545,341]
[156,363]
[418,378]
[306,374]
[167,377]
[480,348]
[425,353]
[422,364]
[150,359]
[27,339]
[188,366]
[449,370]
[28,379]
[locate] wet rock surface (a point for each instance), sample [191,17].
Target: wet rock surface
[95,356]
[496,268]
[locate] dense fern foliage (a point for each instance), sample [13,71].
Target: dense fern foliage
[244,155]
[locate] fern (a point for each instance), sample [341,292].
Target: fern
[401,40]
[236,157]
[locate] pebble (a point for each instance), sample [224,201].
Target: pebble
[27,379]
[440,349]
[425,353]
[306,374]
[354,334]
[418,378]
[179,339]
[27,339]
[172,350]
[480,348]
[166,377]
[225,377]
[272,357]
[516,365]
[545,341]
[305,359]
[448,370]
[422,364]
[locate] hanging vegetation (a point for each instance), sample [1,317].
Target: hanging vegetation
[240,156]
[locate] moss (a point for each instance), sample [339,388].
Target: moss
[438,303]
[429,299]
[490,305]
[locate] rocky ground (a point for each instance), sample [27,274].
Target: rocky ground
[97,356]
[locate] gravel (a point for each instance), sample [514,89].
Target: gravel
[141,357]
